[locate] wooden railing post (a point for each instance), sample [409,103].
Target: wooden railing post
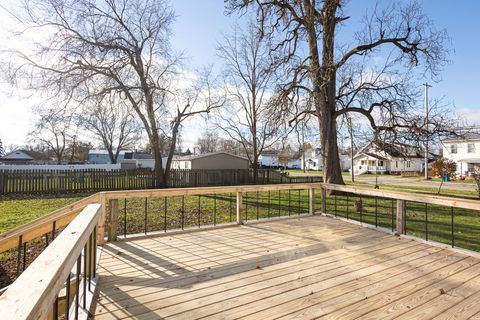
[239,208]
[400,217]
[311,201]
[324,200]
[101,221]
[113,220]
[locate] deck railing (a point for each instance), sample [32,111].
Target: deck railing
[62,279]
[107,216]
[451,221]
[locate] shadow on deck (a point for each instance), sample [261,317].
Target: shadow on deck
[308,267]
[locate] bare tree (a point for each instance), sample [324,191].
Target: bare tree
[250,81]
[337,78]
[54,130]
[208,143]
[109,119]
[99,47]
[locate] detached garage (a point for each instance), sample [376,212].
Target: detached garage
[211,161]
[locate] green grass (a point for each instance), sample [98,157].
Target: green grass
[380,212]
[18,210]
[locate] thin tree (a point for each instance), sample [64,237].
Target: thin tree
[54,129]
[250,79]
[109,119]
[335,76]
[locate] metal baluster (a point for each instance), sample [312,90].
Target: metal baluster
[299,206]
[405,216]
[77,285]
[19,254]
[46,239]
[199,211]
[426,221]
[146,210]
[215,209]
[289,202]
[90,263]
[269,203]
[95,251]
[165,213]
[393,213]
[335,205]
[54,227]
[183,212]
[24,256]
[85,276]
[67,297]
[347,206]
[361,210]
[246,206]
[279,203]
[453,227]
[125,218]
[376,212]
[257,207]
[231,207]
[55,308]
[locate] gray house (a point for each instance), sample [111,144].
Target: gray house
[211,161]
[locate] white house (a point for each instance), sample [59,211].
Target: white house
[268,159]
[22,156]
[388,158]
[314,161]
[464,150]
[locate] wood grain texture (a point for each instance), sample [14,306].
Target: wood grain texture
[299,268]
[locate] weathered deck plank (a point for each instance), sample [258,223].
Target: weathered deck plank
[302,268]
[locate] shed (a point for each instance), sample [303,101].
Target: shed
[211,161]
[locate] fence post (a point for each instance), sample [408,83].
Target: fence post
[311,201]
[324,200]
[239,208]
[113,220]
[101,221]
[400,217]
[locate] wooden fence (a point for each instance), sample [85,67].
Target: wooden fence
[94,180]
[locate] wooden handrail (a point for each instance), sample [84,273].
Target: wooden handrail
[32,295]
[64,215]
[407,196]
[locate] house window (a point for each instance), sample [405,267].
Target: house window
[396,163]
[471,148]
[363,162]
[408,164]
[453,148]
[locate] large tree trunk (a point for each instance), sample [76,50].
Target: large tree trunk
[160,180]
[325,95]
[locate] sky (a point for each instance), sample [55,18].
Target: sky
[200,25]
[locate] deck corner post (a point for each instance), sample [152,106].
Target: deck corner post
[113,220]
[324,200]
[101,221]
[400,217]
[311,201]
[239,208]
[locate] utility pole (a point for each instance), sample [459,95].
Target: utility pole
[350,132]
[426,128]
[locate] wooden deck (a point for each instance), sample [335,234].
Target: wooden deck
[300,268]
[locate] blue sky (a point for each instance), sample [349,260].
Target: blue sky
[201,23]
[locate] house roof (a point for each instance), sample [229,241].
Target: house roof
[139,155]
[462,137]
[194,157]
[394,150]
[27,155]
[103,151]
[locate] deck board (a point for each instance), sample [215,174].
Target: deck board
[298,268]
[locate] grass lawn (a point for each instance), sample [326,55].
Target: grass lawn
[18,210]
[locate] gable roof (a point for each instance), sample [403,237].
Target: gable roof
[463,137]
[24,155]
[204,155]
[396,150]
